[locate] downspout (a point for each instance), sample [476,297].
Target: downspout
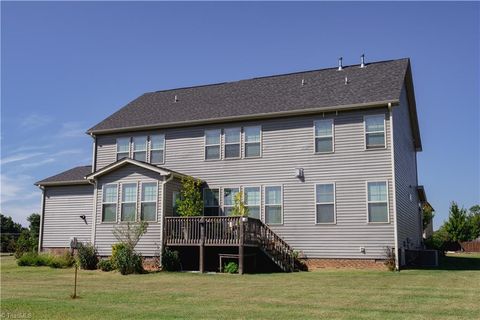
[164,197]
[394,198]
[94,211]
[94,158]
[42,213]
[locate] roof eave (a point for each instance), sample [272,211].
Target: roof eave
[120,163]
[257,116]
[412,106]
[60,183]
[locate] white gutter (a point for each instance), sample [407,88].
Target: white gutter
[257,116]
[94,156]
[394,197]
[164,197]
[94,213]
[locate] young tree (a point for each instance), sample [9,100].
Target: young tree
[239,208]
[457,225]
[474,222]
[129,234]
[190,202]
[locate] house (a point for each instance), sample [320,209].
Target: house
[325,159]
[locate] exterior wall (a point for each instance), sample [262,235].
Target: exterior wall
[174,185]
[408,213]
[63,207]
[288,143]
[150,243]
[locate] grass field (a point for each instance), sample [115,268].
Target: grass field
[43,293]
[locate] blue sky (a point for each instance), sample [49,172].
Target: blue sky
[66,66]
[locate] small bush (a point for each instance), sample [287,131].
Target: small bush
[171,260]
[390,258]
[126,260]
[105,265]
[66,260]
[87,256]
[231,267]
[37,260]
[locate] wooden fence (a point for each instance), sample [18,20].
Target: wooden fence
[471,246]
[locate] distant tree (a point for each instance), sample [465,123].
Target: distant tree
[428,214]
[9,232]
[34,220]
[474,222]
[190,202]
[457,225]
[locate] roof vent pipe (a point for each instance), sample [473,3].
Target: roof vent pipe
[303,82]
[362,61]
[346,80]
[176,98]
[340,65]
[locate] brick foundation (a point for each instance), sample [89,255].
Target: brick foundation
[56,251]
[345,264]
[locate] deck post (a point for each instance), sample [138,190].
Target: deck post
[241,247]
[202,245]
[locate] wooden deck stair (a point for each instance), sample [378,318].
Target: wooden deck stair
[228,231]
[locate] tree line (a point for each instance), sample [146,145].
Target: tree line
[15,238]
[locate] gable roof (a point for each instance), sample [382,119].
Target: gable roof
[70,177]
[126,161]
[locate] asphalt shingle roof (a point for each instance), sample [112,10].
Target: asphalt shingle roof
[377,82]
[74,175]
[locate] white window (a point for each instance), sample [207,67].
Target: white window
[324,136]
[325,202]
[253,138]
[140,148]
[273,205]
[229,200]
[377,201]
[129,202]
[157,148]
[109,203]
[123,148]
[175,197]
[252,201]
[375,131]
[232,143]
[148,210]
[211,205]
[212,144]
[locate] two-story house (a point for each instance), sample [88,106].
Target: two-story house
[325,158]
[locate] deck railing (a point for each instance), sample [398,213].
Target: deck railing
[228,231]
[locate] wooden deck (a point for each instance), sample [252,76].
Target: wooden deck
[228,231]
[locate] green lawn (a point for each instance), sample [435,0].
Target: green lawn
[43,293]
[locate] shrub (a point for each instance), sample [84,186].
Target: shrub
[231,267]
[66,260]
[87,256]
[390,258]
[126,260]
[34,259]
[25,243]
[191,200]
[105,265]
[171,260]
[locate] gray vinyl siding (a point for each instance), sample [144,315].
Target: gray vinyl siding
[408,216]
[150,243]
[174,185]
[288,143]
[63,207]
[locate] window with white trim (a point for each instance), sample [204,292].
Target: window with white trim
[211,206]
[232,143]
[273,205]
[375,131]
[212,144]
[129,202]
[148,207]
[140,148]
[109,203]
[377,201]
[175,197]
[325,203]
[157,148]
[123,148]
[252,201]
[229,200]
[323,136]
[252,143]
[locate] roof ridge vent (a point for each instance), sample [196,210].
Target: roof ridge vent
[340,64]
[362,61]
